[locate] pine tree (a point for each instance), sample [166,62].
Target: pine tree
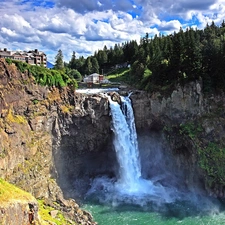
[102,57]
[88,66]
[59,65]
[95,66]
[72,63]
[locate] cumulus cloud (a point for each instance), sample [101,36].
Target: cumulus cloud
[85,26]
[170,26]
[84,6]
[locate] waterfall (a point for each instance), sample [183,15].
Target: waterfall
[129,186]
[125,143]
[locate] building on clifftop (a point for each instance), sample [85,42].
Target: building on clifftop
[33,57]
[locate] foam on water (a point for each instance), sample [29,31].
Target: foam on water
[129,187]
[96,90]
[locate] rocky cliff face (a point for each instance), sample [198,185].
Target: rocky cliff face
[52,138]
[29,116]
[193,125]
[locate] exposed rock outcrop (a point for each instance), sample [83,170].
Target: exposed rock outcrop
[193,124]
[28,127]
[17,206]
[54,142]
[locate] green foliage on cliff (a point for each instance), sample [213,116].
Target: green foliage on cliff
[191,129]
[211,156]
[10,192]
[45,76]
[211,160]
[44,212]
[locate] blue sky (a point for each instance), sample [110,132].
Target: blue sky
[85,26]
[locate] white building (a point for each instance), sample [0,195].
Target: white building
[93,78]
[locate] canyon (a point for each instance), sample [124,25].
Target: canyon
[54,142]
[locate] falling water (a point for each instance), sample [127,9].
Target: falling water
[130,182]
[125,143]
[129,188]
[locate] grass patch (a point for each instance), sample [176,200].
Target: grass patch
[11,118]
[119,75]
[9,192]
[44,212]
[66,109]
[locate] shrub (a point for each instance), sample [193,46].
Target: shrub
[9,61]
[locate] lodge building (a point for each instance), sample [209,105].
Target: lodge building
[33,57]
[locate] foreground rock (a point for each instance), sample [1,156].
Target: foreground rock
[17,206]
[29,115]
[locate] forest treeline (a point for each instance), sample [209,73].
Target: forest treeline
[163,60]
[155,62]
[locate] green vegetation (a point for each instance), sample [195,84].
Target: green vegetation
[211,157]
[10,192]
[211,160]
[47,77]
[119,75]
[44,212]
[11,118]
[59,65]
[156,64]
[9,61]
[35,101]
[191,129]
[163,61]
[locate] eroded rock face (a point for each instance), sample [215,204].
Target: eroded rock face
[191,123]
[28,128]
[50,133]
[19,212]
[83,143]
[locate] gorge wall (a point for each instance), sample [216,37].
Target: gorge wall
[54,142]
[192,124]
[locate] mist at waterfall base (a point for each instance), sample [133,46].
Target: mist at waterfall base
[129,191]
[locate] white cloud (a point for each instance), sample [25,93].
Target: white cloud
[15,22]
[85,26]
[170,26]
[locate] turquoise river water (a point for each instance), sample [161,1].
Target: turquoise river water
[128,215]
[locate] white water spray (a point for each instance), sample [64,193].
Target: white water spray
[130,187]
[125,142]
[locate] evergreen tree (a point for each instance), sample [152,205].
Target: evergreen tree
[95,66]
[192,61]
[130,50]
[72,63]
[111,57]
[88,66]
[59,65]
[118,54]
[102,57]
[80,64]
